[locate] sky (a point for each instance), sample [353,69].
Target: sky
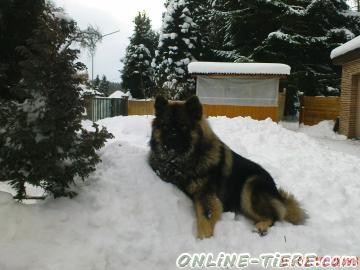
[110,16]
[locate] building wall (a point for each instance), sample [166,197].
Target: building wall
[349,92]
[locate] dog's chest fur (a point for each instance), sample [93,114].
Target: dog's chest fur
[171,166]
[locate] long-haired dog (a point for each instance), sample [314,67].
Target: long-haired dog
[187,153]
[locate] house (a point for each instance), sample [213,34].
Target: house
[348,56]
[240,89]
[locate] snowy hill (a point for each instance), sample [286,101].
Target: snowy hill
[125,217]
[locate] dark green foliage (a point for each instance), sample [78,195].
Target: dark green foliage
[17,20]
[41,137]
[137,74]
[104,86]
[96,83]
[298,33]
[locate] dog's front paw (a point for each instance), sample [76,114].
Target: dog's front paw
[204,232]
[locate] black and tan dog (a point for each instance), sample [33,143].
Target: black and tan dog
[186,152]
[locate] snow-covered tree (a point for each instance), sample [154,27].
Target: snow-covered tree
[104,86]
[355,4]
[179,41]
[222,29]
[137,74]
[42,141]
[96,83]
[201,15]
[300,33]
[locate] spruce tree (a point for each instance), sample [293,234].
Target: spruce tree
[96,83]
[178,45]
[104,86]
[299,33]
[42,141]
[201,11]
[137,74]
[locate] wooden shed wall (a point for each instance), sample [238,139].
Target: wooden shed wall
[259,113]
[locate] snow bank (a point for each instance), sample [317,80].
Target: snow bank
[322,130]
[125,217]
[346,47]
[238,68]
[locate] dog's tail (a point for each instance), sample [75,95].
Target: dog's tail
[293,212]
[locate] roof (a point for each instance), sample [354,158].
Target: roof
[117,94]
[220,68]
[345,49]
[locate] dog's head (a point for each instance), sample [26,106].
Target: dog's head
[176,123]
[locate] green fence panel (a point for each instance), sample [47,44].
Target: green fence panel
[108,107]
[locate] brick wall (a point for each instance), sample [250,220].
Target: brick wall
[348,103]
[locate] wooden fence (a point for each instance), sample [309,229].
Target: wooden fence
[140,107]
[317,109]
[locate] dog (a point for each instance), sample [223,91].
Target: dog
[185,151]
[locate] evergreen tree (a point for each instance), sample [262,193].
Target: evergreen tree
[17,20]
[137,74]
[201,11]
[96,83]
[356,5]
[179,44]
[104,86]
[41,138]
[299,33]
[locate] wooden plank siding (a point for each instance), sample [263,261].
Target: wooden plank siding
[258,113]
[317,109]
[140,107]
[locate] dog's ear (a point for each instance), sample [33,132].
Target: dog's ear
[160,105]
[194,107]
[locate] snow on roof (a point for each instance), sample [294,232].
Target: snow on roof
[238,68]
[346,47]
[119,94]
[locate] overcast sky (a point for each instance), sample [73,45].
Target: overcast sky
[109,16]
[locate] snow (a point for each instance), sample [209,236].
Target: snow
[238,68]
[62,16]
[119,94]
[346,47]
[88,91]
[322,130]
[125,217]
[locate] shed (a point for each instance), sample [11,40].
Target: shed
[348,56]
[240,89]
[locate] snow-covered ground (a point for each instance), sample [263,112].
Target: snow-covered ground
[323,133]
[125,217]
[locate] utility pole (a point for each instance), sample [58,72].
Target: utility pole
[92,47]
